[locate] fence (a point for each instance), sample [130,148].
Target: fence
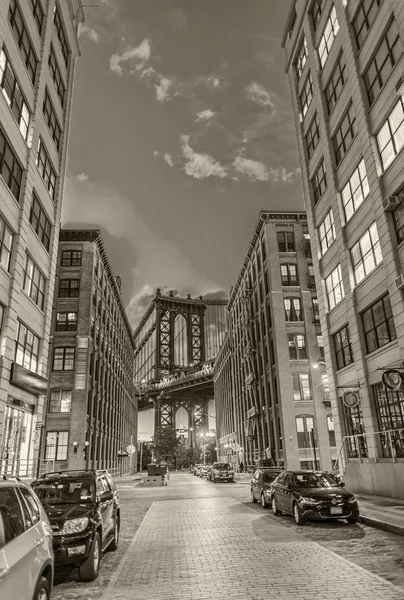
[29,468]
[371,447]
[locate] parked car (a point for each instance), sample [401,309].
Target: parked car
[197,470]
[261,484]
[84,513]
[221,471]
[26,555]
[203,471]
[312,495]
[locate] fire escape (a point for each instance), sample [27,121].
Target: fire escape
[251,376]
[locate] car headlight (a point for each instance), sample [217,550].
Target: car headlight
[75,525]
[352,500]
[310,501]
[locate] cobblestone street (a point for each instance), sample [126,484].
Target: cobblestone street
[198,540]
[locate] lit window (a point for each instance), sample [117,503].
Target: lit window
[297,346]
[289,274]
[301,386]
[66,321]
[60,401]
[366,254]
[327,232]
[334,287]
[301,59]
[293,309]
[390,138]
[355,191]
[327,39]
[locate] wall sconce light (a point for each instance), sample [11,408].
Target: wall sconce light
[75,444]
[86,445]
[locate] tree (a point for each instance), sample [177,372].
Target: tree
[165,443]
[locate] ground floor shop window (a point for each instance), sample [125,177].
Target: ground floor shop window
[389,406]
[353,426]
[16,444]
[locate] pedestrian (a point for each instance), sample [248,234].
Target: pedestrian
[241,467]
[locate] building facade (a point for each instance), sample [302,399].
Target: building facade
[92,408]
[346,70]
[38,51]
[271,395]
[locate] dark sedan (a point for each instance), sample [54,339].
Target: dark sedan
[310,495]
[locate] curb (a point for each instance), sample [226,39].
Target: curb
[377,524]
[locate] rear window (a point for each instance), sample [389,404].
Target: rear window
[221,466]
[269,477]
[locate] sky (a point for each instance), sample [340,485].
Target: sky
[181,132]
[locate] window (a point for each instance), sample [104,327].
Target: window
[301,59]
[364,19]
[327,232]
[398,218]
[355,191]
[46,170]
[316,311]
[69,288]
[37,11]
[390,138]
[297,346]
[345,134]
[378,324]
[307,95]
[304,426]
[56,76]
[13,95]
[383,62]
[34,282]
[312,136]
[71,258]
[29,506]
[61,35]
[6,244]
[27,349]
[343,348]
[40,222]
[51,120]
[319,182]
[335,84]
[66,321]
[60,401]
[56,445]
[389,409]
[286,241]
[327,39]
[289,275]
[320,346]
[301,386]
[10,168]
[331,431]
[334,287]
[63,359]
[11,515]
[366,254]
[316,12]
[311,280]
[293,309]
[22,38]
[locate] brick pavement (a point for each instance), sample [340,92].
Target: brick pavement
[218,548]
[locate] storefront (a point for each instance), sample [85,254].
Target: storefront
[16,448]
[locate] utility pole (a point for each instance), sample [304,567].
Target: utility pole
[141,456]
[313,442]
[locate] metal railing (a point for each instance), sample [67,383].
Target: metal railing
[172,380]
[370,447]
[26,467]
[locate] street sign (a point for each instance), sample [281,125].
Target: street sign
[131,449]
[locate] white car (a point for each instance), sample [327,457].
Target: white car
[26,554]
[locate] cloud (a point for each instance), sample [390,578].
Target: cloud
[156,152]
[162,88]
[147,72]
[252,168]
[141,52]
[82,177]
[198,165]
[168,159]
[257,93]
[91,33]
[213,81]
[204,115]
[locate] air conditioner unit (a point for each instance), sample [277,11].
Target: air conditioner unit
[399,282]
[390,203]
[400,86]
[301,118]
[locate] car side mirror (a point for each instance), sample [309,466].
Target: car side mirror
[342,484]
[290,486]
[108,495]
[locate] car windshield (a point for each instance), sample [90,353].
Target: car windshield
[314,480]
[69,491]
[221,466]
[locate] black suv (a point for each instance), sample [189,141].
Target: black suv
[83,510]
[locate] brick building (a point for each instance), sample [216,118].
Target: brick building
[271,396]
[346,70]
[92,408]
[38,51]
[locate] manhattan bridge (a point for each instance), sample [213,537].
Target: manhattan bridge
[177,341]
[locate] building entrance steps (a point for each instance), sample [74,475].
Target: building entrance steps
[219,548]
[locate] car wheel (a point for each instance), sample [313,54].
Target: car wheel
[275,507]
[42,590]
[352,520]
[253,498]
[299,520]
[115,542]
[264,503]
[89,570]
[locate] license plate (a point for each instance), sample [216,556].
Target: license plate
[336,510]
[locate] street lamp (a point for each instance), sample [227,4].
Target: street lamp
[318,363]
[205,437]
